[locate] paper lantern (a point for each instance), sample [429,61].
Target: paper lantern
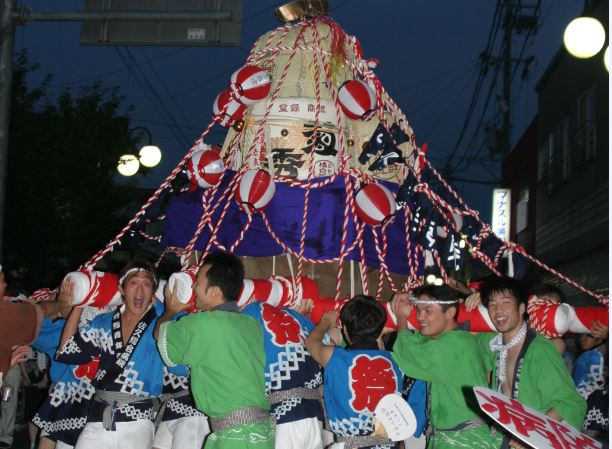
[454,220]
[227,109]
[256,189]
[205,168]
[375,204]
[250,84]
[357,100]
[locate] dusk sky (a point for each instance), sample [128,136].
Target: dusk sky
[428,53]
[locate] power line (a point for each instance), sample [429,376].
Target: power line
[436,94]
[520,59]
[449,106]
[149,92]
[113,72]
[477,88]
[395,92]
[165,87]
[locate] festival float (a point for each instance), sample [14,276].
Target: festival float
[323,188]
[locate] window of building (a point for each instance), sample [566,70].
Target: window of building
[522,210]
[565,148]
[586,124]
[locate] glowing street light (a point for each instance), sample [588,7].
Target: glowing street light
[128,165]
[149,155]
[584,37]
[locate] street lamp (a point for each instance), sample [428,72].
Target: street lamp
[584,37]
[148,156]
[128,165]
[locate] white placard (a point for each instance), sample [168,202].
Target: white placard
[529,425]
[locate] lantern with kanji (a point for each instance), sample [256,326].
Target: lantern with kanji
[250,84]
[205,167]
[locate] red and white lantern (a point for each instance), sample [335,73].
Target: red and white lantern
[375,204]
[256,189]
[357,99]
[94,289]
[454,220]
[183,282]
[250,84]
[227,109]
[205,167]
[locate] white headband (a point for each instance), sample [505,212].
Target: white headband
[136,270]
[435,301]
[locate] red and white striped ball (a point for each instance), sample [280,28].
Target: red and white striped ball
[250,84]
[227,109]
[454,220]
[357,99]
[256,189]
[375,204]
[205,168]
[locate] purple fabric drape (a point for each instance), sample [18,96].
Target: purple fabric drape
[323,231]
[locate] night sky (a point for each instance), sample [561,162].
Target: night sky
[428,53]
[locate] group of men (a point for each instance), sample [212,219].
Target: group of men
[258,372]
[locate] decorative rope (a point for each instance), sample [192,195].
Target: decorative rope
[245,228]
[90,264]
[311,164]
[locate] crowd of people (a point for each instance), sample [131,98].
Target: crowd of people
[148,374]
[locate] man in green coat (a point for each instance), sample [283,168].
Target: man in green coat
[226,353]
[449,361]
[524,364]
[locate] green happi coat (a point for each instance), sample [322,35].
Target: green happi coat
[452,365]
[226,354]
[544,381]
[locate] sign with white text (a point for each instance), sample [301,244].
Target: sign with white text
[500,221]
[530,426]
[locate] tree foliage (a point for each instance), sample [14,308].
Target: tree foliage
[62,200]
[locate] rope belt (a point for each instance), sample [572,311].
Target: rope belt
[356,442]
[299,392]
[114,399]
[248,415]
[165,398]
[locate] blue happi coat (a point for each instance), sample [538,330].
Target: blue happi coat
[63,414]
[140,375]
[355,381]
[288,362]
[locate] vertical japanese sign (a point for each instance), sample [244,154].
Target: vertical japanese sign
[500,221]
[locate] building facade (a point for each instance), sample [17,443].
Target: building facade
[571,201]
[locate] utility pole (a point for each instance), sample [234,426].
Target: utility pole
[12,15]
[507,62]
[7,45]
[520,19]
